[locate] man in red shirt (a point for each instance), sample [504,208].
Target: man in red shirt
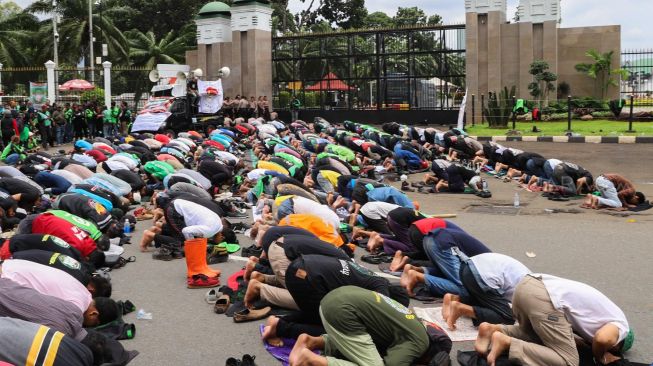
[49,224]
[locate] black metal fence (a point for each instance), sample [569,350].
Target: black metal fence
[639,64]
[130,84]
[416,68]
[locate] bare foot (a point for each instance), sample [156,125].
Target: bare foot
[398,262]
[409,279]
[300,345]
[454,314]
[146,241]
[270,332]
[500,344]
[485,331]
[446,301]
[306,357]
[249,267]
[375,242]
[253,291]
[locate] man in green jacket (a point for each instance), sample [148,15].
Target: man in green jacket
[14,153]
[44,124]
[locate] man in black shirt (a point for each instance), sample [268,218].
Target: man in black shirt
[309,279]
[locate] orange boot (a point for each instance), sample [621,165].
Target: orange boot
[195,250]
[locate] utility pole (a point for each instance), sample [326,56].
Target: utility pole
[55,21]
[91,62]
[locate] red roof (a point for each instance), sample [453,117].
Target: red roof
[330,82]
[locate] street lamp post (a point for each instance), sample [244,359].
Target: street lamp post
[90,41]
[55,21]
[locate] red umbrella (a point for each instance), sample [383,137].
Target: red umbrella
[76,84]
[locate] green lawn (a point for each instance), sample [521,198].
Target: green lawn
[584,128]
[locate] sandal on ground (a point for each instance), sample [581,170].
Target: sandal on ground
[222,304]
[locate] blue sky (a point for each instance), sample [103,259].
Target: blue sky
[632,15]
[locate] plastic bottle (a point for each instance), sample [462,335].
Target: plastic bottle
[127,228]
[516,199]
[485,186]
[142,315]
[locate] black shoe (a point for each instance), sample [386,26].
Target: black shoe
[251,251]
[233,362]
[162,254]
[248,360]
[406,187]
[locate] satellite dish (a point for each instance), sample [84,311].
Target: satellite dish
[154,76]
[181,77]
[198,73]
[224,72]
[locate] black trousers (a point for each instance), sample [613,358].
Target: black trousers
[307,320]
[46,135]
[489,306]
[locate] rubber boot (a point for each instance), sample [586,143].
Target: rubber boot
[195,250]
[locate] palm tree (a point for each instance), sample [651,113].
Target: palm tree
[601,70]
[14,36]
[73,30]
[146,50]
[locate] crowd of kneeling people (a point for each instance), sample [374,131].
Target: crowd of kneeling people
[308,185]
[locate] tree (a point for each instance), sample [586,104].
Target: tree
[146,50]
[158,16]
[542,83]
[410,17]
[73,31]
[16,28]
[377,19]
[601,71]
[344,13]
[9,9]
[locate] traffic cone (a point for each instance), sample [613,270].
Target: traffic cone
[195,250]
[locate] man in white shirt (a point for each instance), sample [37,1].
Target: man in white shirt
[197,224]
[550,311]
[490,280]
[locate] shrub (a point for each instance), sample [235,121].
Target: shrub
[602,114]
[616,106]
[499,107]
[96,94]
[556,117]
[284,100]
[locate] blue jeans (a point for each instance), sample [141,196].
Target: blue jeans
[389,194]
[61,131]
[68,132]
[445,277]
[109,130]
[91,128]
[12,159]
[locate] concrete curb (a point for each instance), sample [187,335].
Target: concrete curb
[572,139]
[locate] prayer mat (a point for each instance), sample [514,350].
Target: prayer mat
[280,353]
[465,329]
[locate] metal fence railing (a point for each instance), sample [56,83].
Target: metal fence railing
[412,68]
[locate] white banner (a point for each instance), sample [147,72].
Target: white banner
[211,96]
[150,121]
[461,113]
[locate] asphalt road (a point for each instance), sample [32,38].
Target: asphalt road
[608,251]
